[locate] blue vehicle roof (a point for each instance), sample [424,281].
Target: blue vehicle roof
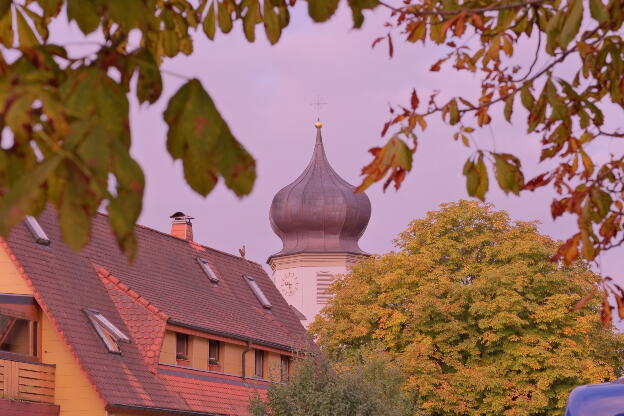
[604,399]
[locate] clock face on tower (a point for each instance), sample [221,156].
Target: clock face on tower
[288,283]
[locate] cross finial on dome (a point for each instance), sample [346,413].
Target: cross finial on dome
[318,104]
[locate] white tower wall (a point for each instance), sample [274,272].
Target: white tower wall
[303,279]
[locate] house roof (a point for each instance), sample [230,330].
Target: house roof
[164,284]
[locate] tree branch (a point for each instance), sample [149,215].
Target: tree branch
[467,11]
[539,45]
[547,68]
[611,134]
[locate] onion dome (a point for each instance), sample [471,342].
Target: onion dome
[319,212]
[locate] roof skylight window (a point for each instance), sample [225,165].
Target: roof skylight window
[108,332]
[208,270]
[264,301]
[37,232]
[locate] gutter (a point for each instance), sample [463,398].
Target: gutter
[157,410]
[245,351]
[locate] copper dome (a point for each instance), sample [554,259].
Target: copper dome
[319,212]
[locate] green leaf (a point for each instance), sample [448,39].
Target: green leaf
[49,7]
[357,6]
[283,14]
[74,219]
[598,11]
[119,221]
[202,139]
[321,10]
[127,13]
[453,112]
[149,83]
[559,108]
[250,19]
[18,115]
[40,23]
[84,13]
[602,200]
[225,18]
[477,182]
[209,25]
[6,30]
[94,151]
[125,208]
[553,30]
[272,25]
[91,93]
[16,203]
[186,45]
[526,97]
[27,37]
[572,23]
[5,6]
[170,43]
[509,102]
[508,173]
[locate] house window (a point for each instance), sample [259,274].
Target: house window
[181,347]
[285,367]
[15,335]
[253,285]
[259,363]
[37,232]
[213,351]
[107,331]
[19,327]
[207,270]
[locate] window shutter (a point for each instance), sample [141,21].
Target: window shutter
[323,282]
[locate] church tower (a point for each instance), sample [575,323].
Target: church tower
[319,219]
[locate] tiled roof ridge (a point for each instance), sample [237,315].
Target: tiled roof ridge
[106,276]
[145,227]
[50,316]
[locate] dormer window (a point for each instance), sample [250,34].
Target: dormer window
[110,335]
[37,232]
[253,285]
[207,270]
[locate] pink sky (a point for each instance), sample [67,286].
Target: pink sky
[264,92]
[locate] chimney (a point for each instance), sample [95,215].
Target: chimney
[181,226]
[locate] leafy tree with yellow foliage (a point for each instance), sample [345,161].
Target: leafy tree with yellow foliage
[474,311]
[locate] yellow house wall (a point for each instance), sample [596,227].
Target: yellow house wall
[168,350]
[250,364]
[73,391]
[198,351]
[231,358]
[10,279]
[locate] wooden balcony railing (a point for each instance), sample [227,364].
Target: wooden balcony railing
[21,380]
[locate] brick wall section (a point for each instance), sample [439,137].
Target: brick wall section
[15,408]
